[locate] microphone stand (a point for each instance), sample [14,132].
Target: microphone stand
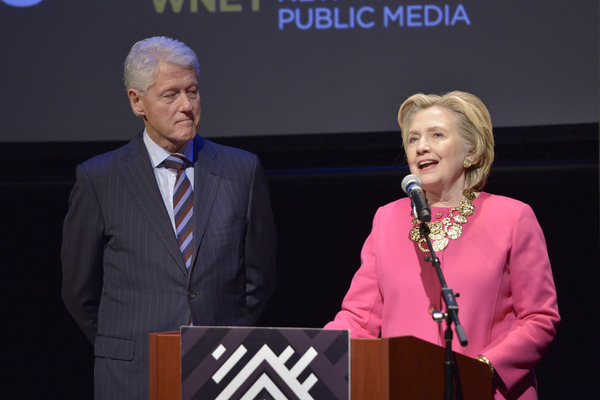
[451,316]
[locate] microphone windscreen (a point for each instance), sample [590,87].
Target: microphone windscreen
[408,181]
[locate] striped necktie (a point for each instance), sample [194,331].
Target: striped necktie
[183,201]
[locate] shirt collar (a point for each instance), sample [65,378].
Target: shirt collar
[158,154]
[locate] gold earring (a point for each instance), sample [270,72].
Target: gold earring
[467,163]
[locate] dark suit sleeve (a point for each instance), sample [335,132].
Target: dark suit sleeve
[81,255]
[260,246]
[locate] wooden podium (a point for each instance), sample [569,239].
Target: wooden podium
[400,368]
[407,368]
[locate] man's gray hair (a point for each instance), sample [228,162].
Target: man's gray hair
[142,62]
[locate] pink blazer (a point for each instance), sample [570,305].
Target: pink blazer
[500,268]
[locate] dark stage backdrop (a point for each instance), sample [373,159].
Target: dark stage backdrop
[279,67]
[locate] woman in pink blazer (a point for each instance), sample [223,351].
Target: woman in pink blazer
[491,249]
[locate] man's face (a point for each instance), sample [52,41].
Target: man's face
[170,107]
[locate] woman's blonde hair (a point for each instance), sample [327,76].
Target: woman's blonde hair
[474,126]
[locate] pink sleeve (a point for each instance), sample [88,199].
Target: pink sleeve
[518,349]
[363,304]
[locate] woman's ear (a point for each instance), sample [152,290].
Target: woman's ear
[473,157]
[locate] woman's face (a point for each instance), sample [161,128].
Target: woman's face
[435,151]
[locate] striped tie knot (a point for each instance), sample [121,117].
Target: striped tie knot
[183,201]
[177,162]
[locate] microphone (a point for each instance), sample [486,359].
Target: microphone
[411,184]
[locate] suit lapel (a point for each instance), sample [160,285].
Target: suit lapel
[207,177]
[137,172]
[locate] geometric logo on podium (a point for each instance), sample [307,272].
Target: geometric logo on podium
[245,363]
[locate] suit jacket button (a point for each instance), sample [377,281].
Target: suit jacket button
[191,295]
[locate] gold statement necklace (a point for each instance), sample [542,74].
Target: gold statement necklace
[450,227]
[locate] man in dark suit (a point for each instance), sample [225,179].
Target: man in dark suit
[137,258]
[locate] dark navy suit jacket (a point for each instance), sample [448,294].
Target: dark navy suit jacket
[123,274]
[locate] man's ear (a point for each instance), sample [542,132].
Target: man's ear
[137,104]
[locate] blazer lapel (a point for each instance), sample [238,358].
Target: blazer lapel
[137,172]
[207,177]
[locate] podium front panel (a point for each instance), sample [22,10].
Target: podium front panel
[235,363]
